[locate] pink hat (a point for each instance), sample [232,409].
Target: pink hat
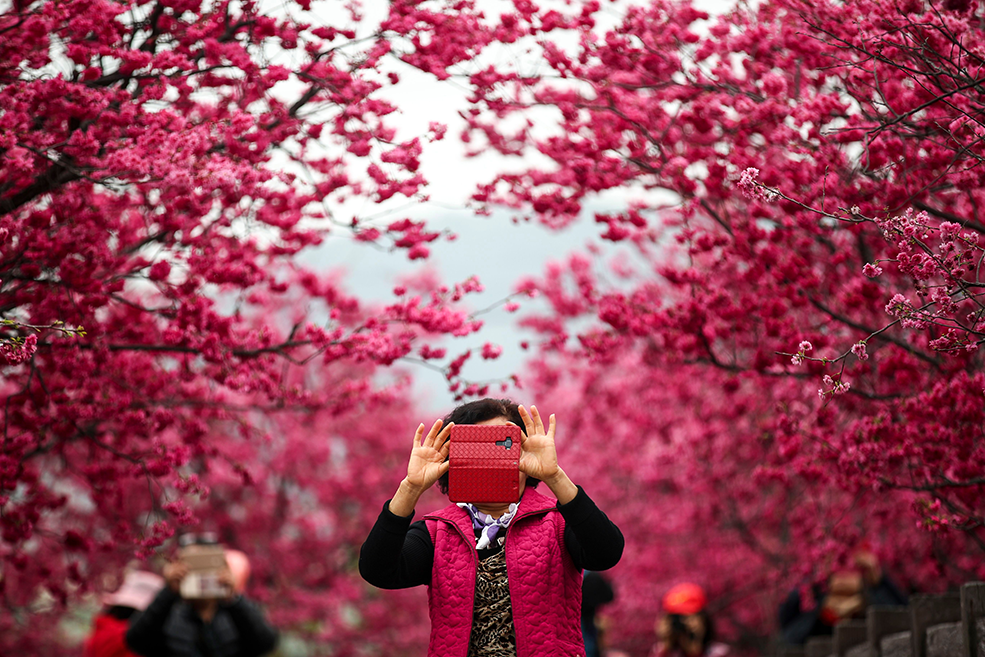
[239,567]
[138,589]
[686,598]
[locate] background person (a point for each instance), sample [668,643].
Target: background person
[230,626]
[684,628]
[596,591]
[111,623]
[846,594]
[462,552]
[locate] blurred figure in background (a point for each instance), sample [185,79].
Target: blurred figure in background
[595,592]
[846,594]
[684,628]
[202,612]
[110,624]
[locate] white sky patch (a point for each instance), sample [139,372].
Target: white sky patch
[494,248]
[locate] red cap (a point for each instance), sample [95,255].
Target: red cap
[686,598]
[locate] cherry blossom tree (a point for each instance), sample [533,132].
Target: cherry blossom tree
[779,364]
[788,366]
[167,362]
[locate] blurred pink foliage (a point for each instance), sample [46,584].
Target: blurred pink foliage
[795,371]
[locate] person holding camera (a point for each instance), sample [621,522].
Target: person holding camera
[108,636]
[201,611]
[684,629]
[596,591]
[503,579]
[845,594]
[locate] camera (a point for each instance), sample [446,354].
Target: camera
[677,626]
[206,561]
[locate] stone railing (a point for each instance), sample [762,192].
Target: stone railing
[947,625]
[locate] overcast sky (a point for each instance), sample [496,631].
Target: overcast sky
[495,249]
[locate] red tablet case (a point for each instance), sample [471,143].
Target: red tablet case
[481,470]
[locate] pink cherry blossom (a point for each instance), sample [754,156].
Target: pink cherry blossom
[747,178]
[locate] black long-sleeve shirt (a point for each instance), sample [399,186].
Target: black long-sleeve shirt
[398,553]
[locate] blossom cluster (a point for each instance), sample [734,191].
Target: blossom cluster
[17,350]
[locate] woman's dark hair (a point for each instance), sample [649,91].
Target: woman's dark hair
[479,411]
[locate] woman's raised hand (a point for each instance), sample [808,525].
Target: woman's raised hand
[429,458]
[538,457]
[427,464]
[174,573]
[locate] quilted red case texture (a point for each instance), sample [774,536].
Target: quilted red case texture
[485,463]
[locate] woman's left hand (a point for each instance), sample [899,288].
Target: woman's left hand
[538,456]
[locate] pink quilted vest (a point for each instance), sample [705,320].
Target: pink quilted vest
[545,586]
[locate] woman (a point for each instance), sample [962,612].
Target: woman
[846,594]
[503,579]
[684,629]
[173,626]
[107,638]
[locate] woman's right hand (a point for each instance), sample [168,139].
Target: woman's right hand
[429,457]
[428,463]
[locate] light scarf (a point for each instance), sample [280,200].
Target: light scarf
[489,525]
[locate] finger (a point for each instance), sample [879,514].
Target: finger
[538,422]
[553,426]
[432,434]
[528,423]
[444,438]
